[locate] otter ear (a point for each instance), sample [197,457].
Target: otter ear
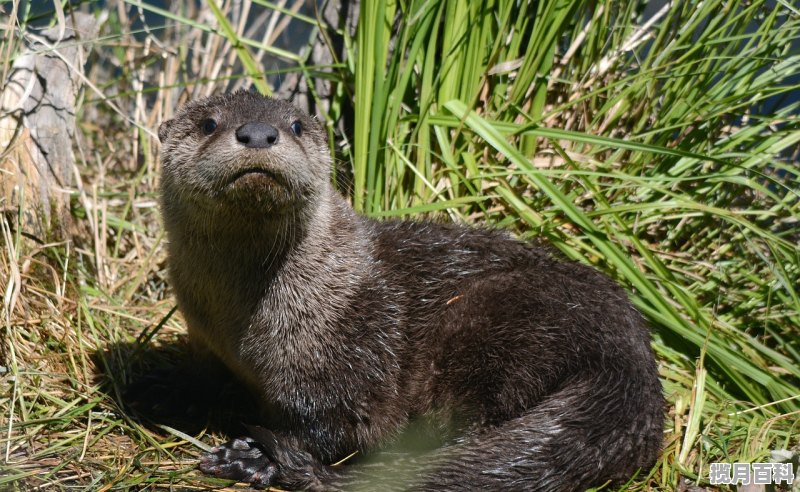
[163,130]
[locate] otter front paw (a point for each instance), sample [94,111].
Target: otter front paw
[242,459]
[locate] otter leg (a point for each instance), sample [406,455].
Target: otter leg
[267,459]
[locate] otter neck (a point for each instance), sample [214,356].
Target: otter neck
[256,240]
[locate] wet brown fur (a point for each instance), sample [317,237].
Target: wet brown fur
[533,373]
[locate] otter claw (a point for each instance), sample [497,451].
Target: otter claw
[242,460]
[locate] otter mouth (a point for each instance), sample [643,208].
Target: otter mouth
[264,189]
[255,175]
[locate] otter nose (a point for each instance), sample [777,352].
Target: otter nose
[257,135]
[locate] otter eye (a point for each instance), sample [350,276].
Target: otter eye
[297,128]
[208,126]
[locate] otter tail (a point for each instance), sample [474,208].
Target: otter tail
[587,433]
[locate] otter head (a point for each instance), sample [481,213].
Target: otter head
[241,155]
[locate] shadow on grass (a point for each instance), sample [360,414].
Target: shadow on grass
[166,384]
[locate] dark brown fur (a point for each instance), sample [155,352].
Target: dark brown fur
[533,373]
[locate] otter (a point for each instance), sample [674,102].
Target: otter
[526,372]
